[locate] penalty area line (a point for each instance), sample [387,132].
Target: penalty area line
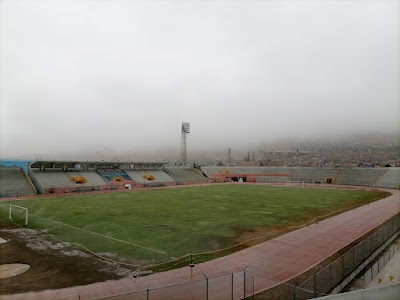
[105,236]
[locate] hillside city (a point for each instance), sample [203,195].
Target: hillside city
[328,155]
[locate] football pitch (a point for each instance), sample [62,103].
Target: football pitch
[151,226]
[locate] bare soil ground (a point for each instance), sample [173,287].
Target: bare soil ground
[53,264]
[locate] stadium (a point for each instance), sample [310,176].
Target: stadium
[95,201]
[158,220]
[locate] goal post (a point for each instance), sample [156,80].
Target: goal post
[21,208]
[295,183]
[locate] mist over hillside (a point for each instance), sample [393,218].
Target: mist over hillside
[210,152]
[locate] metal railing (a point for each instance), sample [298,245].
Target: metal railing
[325,280]
[238,285]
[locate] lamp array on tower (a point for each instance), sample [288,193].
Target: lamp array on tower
[185,129]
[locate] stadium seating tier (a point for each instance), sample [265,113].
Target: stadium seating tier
[60,179]
[14,182]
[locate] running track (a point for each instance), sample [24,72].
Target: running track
[279,260]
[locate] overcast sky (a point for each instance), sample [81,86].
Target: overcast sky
[79,76]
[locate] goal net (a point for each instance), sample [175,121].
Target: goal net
[291,183]
[16,210]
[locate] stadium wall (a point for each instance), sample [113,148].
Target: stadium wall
[35,181]
[114,186]
[155,184]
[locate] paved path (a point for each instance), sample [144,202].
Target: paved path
[280,259]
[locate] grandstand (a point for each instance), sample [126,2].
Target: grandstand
[314,175]
[14,182]
[52,177]
[60,181]
[113,175]
[382,177]
[390,179]
[359,176]
[151,177]
[186,175]
[248,174]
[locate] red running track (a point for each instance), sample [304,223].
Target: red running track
[279,260]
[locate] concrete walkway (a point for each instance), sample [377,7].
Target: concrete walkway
[276,261]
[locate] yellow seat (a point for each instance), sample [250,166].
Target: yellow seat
[148,177]
[79,179]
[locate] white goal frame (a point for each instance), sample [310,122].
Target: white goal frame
[19,207]
[288,182]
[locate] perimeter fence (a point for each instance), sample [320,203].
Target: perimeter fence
[238,285]
[326,279]
[388,185]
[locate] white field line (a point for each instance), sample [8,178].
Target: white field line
[103,235]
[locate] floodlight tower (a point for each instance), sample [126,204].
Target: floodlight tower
[185,129]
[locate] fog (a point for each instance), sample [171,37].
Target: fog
[82,77]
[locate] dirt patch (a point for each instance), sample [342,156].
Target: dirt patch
[53,264]
[260,234]
[215,243]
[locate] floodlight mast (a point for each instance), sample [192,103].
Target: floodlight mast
[185,129]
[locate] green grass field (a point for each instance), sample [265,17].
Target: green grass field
[175,222]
